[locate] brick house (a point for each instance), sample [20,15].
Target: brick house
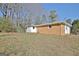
[57,28]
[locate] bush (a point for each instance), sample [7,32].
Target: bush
[6,25]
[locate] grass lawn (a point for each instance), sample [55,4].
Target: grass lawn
[26,44]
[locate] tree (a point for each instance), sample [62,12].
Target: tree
[3,9]
[19,12]
[11,10]
[43,19]
[68,21]
[38,20]
[75,27]
[53,15]
[29,19]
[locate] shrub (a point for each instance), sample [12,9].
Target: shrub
[6,25]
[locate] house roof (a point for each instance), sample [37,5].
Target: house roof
[54,23]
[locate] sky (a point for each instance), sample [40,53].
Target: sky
[64,10]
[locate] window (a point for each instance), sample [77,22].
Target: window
[33,27]
[50,26]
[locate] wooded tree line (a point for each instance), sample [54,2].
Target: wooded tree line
[16,17]
[21,15]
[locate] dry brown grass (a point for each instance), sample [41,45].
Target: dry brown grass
[38,44]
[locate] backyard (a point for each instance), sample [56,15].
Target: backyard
[29,44]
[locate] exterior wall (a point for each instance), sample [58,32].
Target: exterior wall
[55,29]
[62,29]
[59,29]
[67,29]
[30,29]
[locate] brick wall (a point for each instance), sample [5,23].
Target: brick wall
[55,29]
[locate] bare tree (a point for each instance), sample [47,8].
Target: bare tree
[3,9]
[38,20]
[21,12]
